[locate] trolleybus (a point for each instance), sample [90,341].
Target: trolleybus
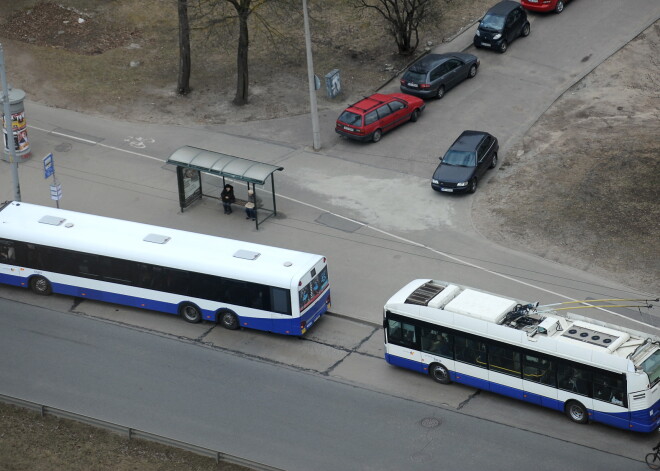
[586,368]
[199,277]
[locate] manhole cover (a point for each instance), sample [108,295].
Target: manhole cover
[430,422]
[64,147]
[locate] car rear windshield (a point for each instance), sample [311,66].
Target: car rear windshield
[414,76]
[493,22]
[460,157]
[351,118]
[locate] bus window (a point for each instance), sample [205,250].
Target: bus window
[651,367]
[280,301]
[574,379]
[233,292]
[7,252]
[401,333]
[504,360]
[470,351]
[540,370]
[436,342]
[609,387]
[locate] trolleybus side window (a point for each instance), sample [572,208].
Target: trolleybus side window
[469,350]
[401,333]
[437,342]
[609,387]
[574,379]
[504,360]
[540,370]
[651,367]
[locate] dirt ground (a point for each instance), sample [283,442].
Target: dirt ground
[583,187]
[31,442]
[580,189]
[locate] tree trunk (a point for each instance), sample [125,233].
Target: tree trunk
[242,58]
[183,83]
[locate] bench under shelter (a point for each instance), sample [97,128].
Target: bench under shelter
[191,162]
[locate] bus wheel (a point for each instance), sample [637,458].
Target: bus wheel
[190,313]
[576,412]
[439,373]
[40,285]
[229,320]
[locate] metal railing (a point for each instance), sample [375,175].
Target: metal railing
[130,433]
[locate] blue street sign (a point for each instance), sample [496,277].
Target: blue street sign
[49,166]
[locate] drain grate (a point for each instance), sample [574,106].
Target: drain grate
[430,422]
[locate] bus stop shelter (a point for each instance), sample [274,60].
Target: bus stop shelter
[191,162]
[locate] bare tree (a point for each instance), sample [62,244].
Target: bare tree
[183,82]
[213,13]
[404,18]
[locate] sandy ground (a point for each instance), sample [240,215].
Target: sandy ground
[582,188]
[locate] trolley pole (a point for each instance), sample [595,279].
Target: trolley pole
[312,85]
[13,162]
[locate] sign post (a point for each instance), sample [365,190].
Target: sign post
[56,187]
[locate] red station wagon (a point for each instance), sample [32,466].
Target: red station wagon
[556,6]
[370,117]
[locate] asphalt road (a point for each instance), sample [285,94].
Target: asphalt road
[370,209]
[253,409]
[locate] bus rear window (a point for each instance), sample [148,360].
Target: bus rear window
[651,367]
[313,289]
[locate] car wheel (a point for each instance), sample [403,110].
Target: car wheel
[559,7]
[473,71]
[525,31]
[494,162]
[473,185]
[190,313]
[414,116]
[229,320]
[40,285]
[377,135]
[441,92]
[503,47]
[439,373]
[576,412]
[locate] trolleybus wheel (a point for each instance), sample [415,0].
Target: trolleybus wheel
[439,373]
[577,412]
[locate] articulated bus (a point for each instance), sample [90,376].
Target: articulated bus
[199,277]
[585,368]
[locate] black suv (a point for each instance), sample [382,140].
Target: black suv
[434,74]
[466,162]
[502,24]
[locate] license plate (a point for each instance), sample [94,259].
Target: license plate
[413,85]
[533,1]
[449,190]
[348,129]
[485,44]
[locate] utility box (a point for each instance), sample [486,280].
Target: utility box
[18,125]
[333,83]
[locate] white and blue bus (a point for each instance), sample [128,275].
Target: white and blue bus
[585,368]
[199,277]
